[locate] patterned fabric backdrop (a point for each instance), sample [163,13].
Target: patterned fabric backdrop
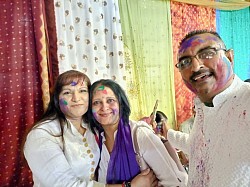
[90,39]
[186,18]
[149,65]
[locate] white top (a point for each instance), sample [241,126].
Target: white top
[220,139]
[54,165]
[155,155]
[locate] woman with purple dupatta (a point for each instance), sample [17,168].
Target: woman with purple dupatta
[109,112]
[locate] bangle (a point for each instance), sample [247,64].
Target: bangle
[164,140]
[126,184]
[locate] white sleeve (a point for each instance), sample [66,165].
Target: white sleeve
[179,140]
[158,159]
[48,163]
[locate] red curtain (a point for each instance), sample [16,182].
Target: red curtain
[186,18]
[20,87]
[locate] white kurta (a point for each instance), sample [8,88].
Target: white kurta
[155,155]
[219,141]
[51,165]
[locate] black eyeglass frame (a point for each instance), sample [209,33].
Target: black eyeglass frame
[195,56]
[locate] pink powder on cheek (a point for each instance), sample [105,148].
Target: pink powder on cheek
[190,87]
[223,71]
[115,111]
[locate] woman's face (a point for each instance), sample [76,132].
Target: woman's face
[105,106]
[73,99]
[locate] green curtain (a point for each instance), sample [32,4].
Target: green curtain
[147,36]
[234,28]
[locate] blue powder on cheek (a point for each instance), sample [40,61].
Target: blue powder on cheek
[228,63]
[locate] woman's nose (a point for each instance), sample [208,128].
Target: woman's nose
[75,97]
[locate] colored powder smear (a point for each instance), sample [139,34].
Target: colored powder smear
[101,88]
[73,83]
[63,102]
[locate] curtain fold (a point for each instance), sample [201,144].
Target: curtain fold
[147,35]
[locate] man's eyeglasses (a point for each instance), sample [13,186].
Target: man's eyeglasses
[204,55]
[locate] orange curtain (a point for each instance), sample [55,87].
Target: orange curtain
[186,18]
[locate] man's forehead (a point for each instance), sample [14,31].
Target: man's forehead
[198,41]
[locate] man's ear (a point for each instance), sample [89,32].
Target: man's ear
[230,55]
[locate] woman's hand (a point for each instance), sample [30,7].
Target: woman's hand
[165,128]
[146,178]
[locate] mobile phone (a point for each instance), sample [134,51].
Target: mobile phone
[159,127]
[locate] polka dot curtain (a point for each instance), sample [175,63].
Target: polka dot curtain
[89,38]
[20,93]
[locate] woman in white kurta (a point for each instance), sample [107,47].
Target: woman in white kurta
[110,110]
[60,149]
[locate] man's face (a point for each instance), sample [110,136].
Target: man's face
[204,76]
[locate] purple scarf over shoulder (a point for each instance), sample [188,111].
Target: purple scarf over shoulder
[122,164]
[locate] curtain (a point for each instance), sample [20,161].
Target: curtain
[89,38]
[146,27]
[234,28]
[21,52]
[186,18]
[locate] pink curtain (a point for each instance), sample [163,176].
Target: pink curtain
[21,105]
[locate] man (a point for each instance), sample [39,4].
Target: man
[218,145]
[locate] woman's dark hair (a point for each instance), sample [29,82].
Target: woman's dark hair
[247,80]
[124,106]
[160,116]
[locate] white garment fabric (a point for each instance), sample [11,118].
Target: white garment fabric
[89,38]
[154,154]
[219,141]
[187,125]
[53,164]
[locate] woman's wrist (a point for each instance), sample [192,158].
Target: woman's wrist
[126,184]
[163,139]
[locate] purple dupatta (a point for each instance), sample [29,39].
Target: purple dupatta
[122,165]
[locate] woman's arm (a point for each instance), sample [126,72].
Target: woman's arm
[159,160]
[179,140]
